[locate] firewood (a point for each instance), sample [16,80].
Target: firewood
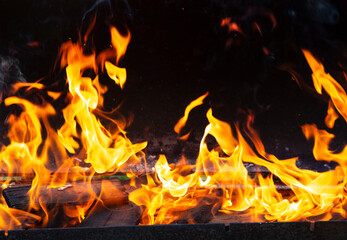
[126,215]
[79,192]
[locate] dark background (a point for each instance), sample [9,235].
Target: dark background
[178,52]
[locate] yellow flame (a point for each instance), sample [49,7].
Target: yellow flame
[323,80]
[181,123]
[116,73]
[45,159]
[218,179]
[175,189]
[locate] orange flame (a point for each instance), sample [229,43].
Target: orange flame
[323,80]
[181,123]
[175,189]
[46,157]
[219,179]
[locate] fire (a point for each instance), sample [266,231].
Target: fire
[220,174]
[182,122]
[313,194]
[322,80]
[45,155]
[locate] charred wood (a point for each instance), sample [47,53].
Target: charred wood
[17,196]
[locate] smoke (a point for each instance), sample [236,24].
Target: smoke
[10,73]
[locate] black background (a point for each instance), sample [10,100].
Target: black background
[176,54]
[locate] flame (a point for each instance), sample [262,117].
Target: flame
[174,190]
[48,156]
[181,123]
[43,154]
[116,73]
[323,80]
[120,43]
[225,21]
[220,173]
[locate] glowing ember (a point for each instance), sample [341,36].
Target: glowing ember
[218,179]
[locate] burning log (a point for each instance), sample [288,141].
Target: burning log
[17,196]
[127,215]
